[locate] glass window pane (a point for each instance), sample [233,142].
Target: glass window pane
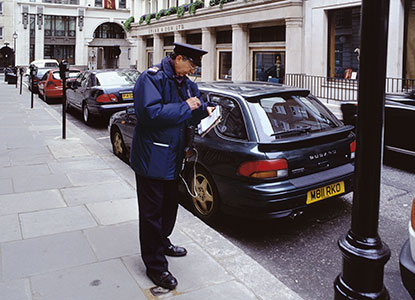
[225,65]
[269,66]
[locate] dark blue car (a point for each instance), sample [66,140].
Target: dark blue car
[276,151]
[100,93]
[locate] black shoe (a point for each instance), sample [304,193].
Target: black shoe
[175,251]
[164,279]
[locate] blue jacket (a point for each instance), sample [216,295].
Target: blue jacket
[162,116]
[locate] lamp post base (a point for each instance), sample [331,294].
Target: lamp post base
[363,264]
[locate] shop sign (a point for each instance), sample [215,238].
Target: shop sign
[168,28]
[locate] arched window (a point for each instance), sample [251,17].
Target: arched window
[109,31]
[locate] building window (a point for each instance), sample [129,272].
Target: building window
[149,59]
[224,37]
[122,4]
[409,46]
[149,42]
[1,32]
[1,7]
[168,40]
[60,52]
[98,3]
[109,31]
[267,34]
[269,66]
[32,52]
[33,26]
[344,42]
[60,26]
[225,65]
[194,39]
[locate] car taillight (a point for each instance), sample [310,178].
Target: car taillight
[413,215]
[107,98]
[275,168]
[353,150]
[51,83]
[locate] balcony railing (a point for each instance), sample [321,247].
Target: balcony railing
[72,2]
[342,89]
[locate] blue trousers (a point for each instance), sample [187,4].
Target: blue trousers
[157,207]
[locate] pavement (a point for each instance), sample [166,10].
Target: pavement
[69,224]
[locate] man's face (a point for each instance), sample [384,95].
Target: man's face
[183,66]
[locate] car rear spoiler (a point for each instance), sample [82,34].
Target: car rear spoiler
[305,140]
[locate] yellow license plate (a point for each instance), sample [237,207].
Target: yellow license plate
[127,96]
[325,192]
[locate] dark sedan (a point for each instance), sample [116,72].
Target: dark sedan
[399,121]
[276,151]
[40,73]
[100,93]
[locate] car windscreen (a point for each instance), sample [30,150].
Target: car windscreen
[72,74]
[41,72]
[288,115]
[117,78]
[51,65]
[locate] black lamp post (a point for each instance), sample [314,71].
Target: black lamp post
[364,253]
[14,46]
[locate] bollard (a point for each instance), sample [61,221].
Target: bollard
[33,72]
[64,73]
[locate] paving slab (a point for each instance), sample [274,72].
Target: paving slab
[67,149]
[30,201]
[21,171]
[78,164]
[82,178]
[194,271]
[97,193]
[30,257]
[225,291]
[58,220]
[6,186]
[16,290]
[29,183]
[107,280]
[114,241]
[114,212]
[9,229]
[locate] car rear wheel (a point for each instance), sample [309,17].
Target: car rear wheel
[118,145]
[86,114]
[206,203]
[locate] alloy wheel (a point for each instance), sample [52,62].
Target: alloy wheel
[204,201]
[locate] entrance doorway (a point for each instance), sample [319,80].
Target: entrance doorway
[6,57]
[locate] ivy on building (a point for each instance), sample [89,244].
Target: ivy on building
[127,23]
[180,11]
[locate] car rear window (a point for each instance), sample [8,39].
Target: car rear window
[72,74]
[51,65]
[117,78]
[285,116]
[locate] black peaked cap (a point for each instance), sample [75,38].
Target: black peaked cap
[193,53]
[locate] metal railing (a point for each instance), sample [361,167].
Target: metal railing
[342,89]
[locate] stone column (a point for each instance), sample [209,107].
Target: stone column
[209,60]
[141,57]
[240,53]
[81,49]
[395,40]
[294,45]
[39,35]
[158,48]
[22,45]
[180,37]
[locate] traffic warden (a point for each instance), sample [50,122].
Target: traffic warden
[166,102]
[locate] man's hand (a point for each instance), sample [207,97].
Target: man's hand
[210,109]
[193,103]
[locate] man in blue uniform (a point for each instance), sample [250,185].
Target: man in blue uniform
[166,102]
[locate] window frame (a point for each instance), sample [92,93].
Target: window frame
[238,104]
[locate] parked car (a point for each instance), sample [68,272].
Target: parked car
[43,63]
[100,93]
[407,257]
[50,85]
[399,119]
[39,75]
[276,151]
